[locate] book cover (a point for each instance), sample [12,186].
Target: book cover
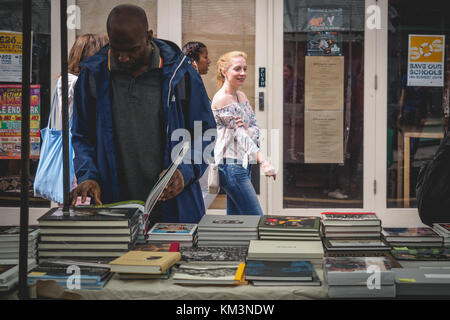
[355,264]
[289,223]
[422,281]
[355,244]
[172,231]
[229,222]
[411,234]
[349,216]
[213,273]
[52,271]
[421,254]
[386,254]
[219,254]
[12,233]
[276,270]
[86,216]
[158,247]
[315,282]
[444,227]
[285,249]
[145,262]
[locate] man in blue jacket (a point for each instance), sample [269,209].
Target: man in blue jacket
[130,102]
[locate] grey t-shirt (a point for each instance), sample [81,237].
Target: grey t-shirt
[138,124]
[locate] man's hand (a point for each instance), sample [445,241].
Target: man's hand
[174,187]
[86,188]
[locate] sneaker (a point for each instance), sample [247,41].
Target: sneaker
[337,194]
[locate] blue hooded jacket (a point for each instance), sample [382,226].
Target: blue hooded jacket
[93,137]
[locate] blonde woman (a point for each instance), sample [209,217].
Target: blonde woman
[237,144]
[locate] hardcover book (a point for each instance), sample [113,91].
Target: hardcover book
[213,273]
[278,270]
[281,249]
[218,254]
[86,216]
[12,233]
[422,281]
[443,227]
[315,282]
[229,222]
[411,234]
[172,231]
[289,223]
[421,254]
[357,270]
[355,244]
[158,247]
[145,262]
[350,218]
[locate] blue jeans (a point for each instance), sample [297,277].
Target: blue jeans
[241,196]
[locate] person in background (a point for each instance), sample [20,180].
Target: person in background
[131,100]
[237,144]
[198,52]
[85,45]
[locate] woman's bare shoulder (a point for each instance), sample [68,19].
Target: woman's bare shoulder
[220,100]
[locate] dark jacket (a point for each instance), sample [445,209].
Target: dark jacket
[184,101]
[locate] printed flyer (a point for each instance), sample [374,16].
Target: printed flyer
[10,56]
[11,121]
[426,60]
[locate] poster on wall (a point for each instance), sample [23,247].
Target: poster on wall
[10,56]
[324,19]
[324,137]
[11,121]
[426,60]
[324,82]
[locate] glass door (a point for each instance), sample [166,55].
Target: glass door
[320,93]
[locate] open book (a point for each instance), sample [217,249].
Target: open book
[147,206]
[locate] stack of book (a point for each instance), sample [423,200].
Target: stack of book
[227,231]
[86,233]
[357,231]
[351,225]
[183,233]
[443,229]
[412,237]
[359,277]
[281,273]
[415,257]
[138,264]
[283,250]
[289,228]
[193,273]
[73,275]
[10,242]
[9,273]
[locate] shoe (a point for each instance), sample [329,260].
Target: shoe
[337,194]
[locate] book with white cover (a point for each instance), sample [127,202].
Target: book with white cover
[172,231]
[233,223]
[282,249]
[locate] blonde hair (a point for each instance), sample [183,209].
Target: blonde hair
[224,63]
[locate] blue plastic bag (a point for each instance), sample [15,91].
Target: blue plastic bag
[48,182]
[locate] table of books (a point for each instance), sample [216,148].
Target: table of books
[157,289]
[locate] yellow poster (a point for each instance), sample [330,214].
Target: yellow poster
[10,56]
[426,60]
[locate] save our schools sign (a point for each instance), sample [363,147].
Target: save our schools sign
[426,60]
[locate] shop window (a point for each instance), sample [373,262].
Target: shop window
[10,90]
[323,104]
[418,86]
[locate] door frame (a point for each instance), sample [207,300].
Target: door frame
[275,42]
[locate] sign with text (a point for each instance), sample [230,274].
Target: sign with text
[426,60]
[10,56]
[11,121]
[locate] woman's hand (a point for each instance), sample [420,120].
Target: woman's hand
[239,122]
[268,169]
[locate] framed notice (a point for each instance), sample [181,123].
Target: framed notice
[426,60]
[324,135]
[11,121]
[10,56]
[324,82]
